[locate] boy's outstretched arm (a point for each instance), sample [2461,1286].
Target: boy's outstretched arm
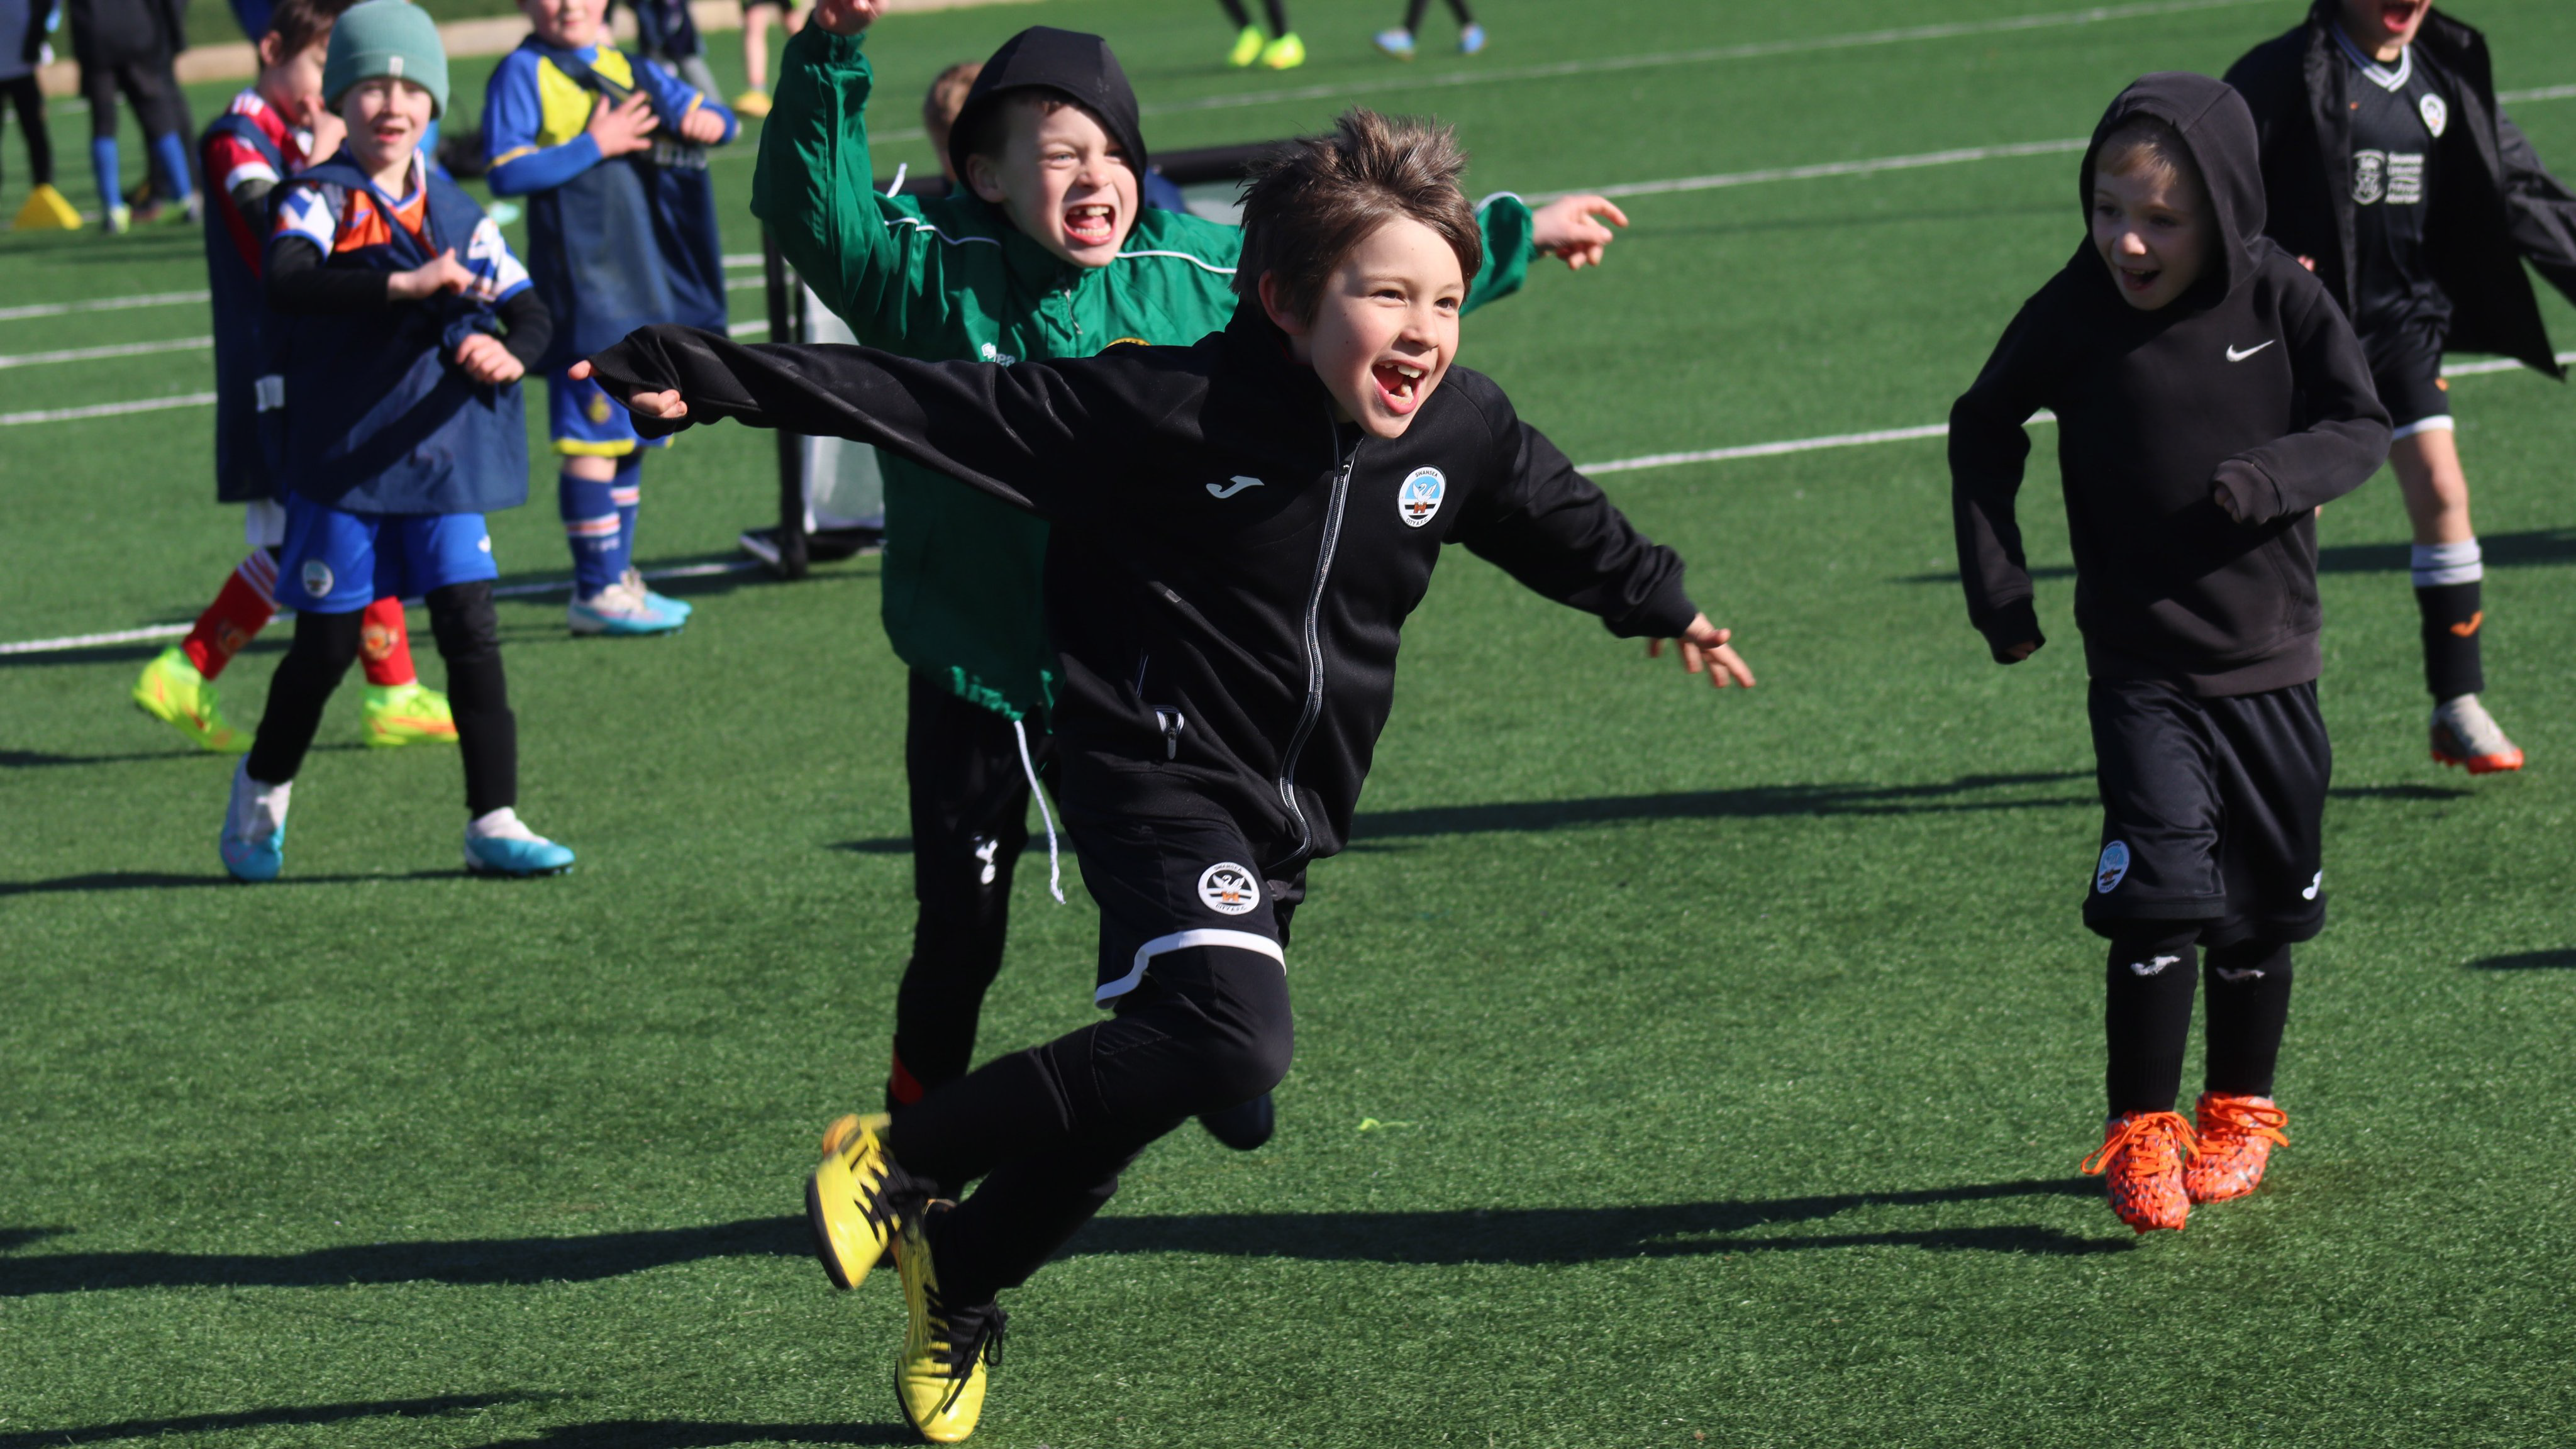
[2542,210]
[2347,434]
[1031,424]
[1989,446]
[1551,528]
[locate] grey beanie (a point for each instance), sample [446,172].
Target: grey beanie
[387,38]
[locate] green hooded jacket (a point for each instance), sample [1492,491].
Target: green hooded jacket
[950,278]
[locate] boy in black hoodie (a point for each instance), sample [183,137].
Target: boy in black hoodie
[1241,529]
[2209,395]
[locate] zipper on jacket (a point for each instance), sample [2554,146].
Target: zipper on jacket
[1315,650]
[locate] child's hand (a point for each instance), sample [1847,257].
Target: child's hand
[1704,647]
[442,273]
[1566,228]
[486,360]
[328,132]
[625,127]
[846,17]
[2016,653]
[668,406]
[703,126]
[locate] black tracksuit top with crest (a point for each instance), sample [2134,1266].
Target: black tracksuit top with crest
[1230,566]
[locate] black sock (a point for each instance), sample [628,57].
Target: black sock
[487,733]
[325,645]
[2452,617]
[2249,1004]
[1278,17]
[1234,12]
[2146,1018]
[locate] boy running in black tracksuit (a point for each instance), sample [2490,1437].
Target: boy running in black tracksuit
[2393,173]
[1241,528]
[2209,396]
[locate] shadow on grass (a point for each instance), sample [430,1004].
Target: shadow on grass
[682,1434]
[265,1418]
[46,759]
[153,880]
[2527,961]
[2401,792]
[1502,1235]
[1585,1235]
[1753,802]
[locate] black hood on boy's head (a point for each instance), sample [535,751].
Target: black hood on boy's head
[2218,128]
[1079,65]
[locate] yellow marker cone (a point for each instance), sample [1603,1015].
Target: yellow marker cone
[46,210]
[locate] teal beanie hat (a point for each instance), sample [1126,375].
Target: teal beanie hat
[386,37]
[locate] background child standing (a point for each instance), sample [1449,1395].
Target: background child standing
[399,426]
[2209,395]
[2394,172]
[621,234]
[269,132]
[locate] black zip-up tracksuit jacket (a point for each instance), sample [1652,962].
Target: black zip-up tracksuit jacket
[1230,567]
[2496,206]
[2251,382]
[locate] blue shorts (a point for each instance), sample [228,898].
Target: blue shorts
[586,422]
[337,562]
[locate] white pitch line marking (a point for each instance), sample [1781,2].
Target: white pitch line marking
[108,410]
[120,349]
[103,304]
[510,591]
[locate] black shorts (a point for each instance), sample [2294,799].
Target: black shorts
[2213,811]
[149,86]
[1169,885]
[2406,367]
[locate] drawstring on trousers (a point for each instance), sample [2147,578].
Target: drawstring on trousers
[1055,868]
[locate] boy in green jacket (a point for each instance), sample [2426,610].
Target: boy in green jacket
[1044,251]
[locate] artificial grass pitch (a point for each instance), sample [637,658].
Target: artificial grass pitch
[1669,1066]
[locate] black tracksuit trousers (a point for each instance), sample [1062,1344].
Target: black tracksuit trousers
[1208,1028]
[970,805]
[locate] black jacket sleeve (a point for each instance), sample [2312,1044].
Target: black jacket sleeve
[2541,212]
[1551,528]
[1989,448]
[527,327]
[2346,438]
[299,285]
[1030,434]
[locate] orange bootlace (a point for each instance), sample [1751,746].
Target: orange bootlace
[2156,1135]
[2247,1117]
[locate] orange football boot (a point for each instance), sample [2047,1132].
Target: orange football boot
[2142,1152]
[2236,1137]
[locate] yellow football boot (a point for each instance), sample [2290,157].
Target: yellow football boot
[940,1378]
[850,1200]
[407,714]
[1285,53]
[1247,47]
[171,690]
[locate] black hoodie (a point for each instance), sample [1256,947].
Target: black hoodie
[2250,382]
[1230,568]
[1067,61]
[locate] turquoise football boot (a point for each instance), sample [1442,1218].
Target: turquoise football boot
[254,835]
[497,844]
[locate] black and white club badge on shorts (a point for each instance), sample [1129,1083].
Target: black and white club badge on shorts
[1229,889]
[1418,501]
[2113,867]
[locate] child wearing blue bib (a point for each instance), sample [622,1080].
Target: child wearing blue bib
[396,424]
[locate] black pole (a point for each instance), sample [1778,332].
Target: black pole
[785,309]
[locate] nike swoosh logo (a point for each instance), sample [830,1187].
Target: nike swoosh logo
[1232,486]
[2235,356]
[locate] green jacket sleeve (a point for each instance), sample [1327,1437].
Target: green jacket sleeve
[876,260]
[1510,243]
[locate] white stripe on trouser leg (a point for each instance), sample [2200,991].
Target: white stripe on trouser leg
[1055,868]
[1182,941]
[2437,564]
[2437,423]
